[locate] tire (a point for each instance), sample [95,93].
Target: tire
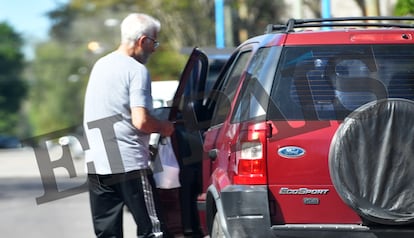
[217,230]
[371,161]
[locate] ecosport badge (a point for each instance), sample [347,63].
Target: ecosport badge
[291,152]
[303,191]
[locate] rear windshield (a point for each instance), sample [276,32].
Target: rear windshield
[328,82]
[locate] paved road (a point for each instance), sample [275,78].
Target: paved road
[21,216]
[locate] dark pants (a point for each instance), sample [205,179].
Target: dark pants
[109,193]
[190,189]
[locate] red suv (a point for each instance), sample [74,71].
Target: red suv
[308,131]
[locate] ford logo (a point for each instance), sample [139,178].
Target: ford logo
[291,152]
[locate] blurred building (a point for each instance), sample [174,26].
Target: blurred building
[343,8]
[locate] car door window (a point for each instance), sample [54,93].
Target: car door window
[191,86]
[227,88]
[253,99]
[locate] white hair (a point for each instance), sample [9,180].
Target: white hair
[136,25]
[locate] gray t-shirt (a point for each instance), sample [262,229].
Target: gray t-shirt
[117,83]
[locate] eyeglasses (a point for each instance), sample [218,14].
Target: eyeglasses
[156,43]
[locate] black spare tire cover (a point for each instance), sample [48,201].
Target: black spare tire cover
[371,161]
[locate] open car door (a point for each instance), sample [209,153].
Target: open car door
[191,120]
[188,112]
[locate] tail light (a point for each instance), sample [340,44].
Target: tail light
[250,163]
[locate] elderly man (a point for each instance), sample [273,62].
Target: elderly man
[118,123]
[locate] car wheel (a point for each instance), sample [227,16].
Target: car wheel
[371,161]
[217,230]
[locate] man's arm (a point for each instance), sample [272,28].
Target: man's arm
[145,122]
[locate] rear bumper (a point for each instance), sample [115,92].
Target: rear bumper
[339,231]
[246,211]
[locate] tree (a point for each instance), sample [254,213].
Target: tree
[57,88]
[12,86]
[404,8]
[259,14]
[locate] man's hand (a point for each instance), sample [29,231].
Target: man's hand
[167,128]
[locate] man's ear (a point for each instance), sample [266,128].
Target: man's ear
[140,41]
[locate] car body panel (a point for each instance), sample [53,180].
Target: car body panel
[350,36]
[301,186]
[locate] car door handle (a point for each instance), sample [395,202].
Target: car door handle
[178,122]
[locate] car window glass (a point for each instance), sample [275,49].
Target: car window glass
[346,71]
[190,102]
[215,68]
[254,96]
[329,82]
[227,89]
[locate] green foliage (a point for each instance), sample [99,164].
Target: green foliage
[12,87]
[11,59]
[259,15]
[404,8]
[166,65]
[57,89]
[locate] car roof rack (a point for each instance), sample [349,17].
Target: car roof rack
[292,24]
